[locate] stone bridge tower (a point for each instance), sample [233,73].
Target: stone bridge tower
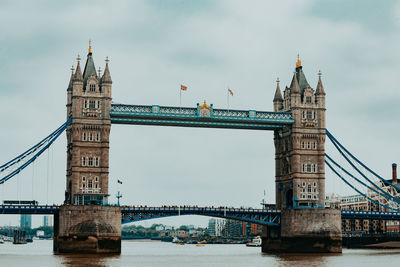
[306,226]
[84,223]
[89,104]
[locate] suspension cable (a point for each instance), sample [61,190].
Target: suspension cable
[336,143]
[49,143]
[361,182]
[358,191]
[29,151]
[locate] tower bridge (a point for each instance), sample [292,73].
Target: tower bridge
[300,222]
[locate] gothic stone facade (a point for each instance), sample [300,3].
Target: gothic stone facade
[89,104]
[300,149]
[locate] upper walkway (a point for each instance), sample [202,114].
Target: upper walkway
[201,116]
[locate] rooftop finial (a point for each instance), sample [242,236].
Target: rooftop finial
[319,73]
[78,58]
[90,46]
[99,71]
[107,60]
[298,63]
[277,80]
[72,69]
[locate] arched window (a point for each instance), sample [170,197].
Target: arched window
[92,88]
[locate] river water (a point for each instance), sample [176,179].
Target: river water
[155,253]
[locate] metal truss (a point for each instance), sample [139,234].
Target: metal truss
[29,209]
[257,216]
[373,215]
[190,117]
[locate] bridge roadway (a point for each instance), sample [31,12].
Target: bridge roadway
[140,213]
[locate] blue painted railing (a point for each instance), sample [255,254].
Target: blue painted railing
[194,117]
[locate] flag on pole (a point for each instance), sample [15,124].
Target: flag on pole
[183,87]
[230,91]
[119,181]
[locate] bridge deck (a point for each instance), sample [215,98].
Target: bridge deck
[191,117]
[139,213]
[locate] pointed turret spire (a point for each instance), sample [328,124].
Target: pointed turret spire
[298,63]
[320,88]
[90,69]
[70,79]
[106,75]
[294,85]
[278,94]
[78,73]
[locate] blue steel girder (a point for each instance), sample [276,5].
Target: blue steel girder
[190,117]
[372,215]
[257,216]
[29,209]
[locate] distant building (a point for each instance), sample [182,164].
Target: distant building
[46,221]
[215,227]
[160,228]
[362,203]
[26,221]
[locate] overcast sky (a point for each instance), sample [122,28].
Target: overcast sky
[154,46]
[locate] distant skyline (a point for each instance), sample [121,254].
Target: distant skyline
[154,47]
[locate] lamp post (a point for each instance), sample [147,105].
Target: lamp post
[118,196]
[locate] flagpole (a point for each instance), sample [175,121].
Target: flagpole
[180,98]
[227,92]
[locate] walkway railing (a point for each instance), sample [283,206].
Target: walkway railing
[199,117]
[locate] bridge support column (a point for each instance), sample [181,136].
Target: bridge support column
[305,231]
[88,229]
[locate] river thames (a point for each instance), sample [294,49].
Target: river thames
[155,253]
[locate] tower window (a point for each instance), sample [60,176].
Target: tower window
[96,179]
[84,136]
[90,184]
[90,161]
[308,99]
[302,145]
[83,178]
[83,161]
[96,161]
[308,145]
[98,137]
[90,137]
[92,104]
[92,88]
[309,114]
[315,146]
[85,104]
[97,104]
[308,166]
